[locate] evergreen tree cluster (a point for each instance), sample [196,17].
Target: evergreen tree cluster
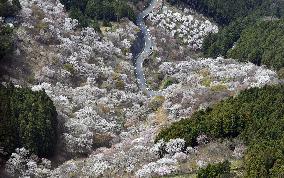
[27,119]
[262,43]
[88,12]
[254,116]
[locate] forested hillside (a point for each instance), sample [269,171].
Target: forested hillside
[27,119]
[255,116]
[262,43]
[73,91]
[239,16]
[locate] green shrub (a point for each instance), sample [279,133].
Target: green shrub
[168,81]
[69,68]
[156,102]
[219,87]
[215,170]
[41,26]
[254,116]
[206,81]
[27,119]
[119,84]
[280,73]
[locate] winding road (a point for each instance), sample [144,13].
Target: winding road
[146,51]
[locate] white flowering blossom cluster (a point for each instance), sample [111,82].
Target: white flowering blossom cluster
[122,157]
[201,163]
[200,77]
[171,147]
[137,157]
[239,151]
[161,167]
[185,26]
[220,70]
[123,36]
[93,168]
[91,68]
[23,164]
[175,146]
[202,139]
[159,148]
[96,112]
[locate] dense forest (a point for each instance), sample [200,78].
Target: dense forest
[27,119]
[262,43]
[254,116]
[88,12]
[238,19]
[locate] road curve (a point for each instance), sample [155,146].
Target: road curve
[146,51]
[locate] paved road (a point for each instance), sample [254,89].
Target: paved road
[147,50]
